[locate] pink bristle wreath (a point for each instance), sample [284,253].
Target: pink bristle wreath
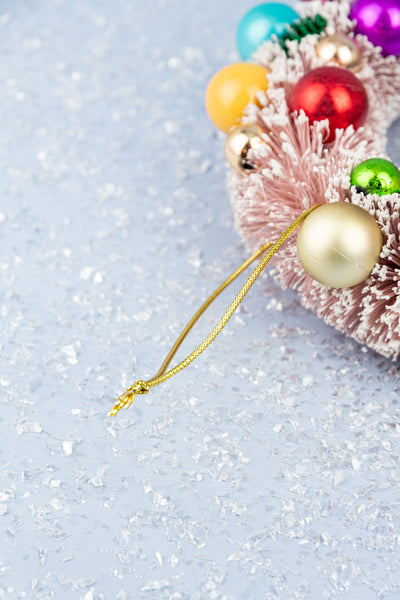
[300,156]
[295,169]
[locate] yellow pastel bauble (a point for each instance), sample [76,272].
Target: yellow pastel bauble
[231,90]
[339,244]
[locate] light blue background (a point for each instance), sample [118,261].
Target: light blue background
[270,468]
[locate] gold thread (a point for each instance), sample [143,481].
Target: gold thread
[204,307]
[142,387]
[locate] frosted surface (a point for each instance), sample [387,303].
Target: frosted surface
[270,469]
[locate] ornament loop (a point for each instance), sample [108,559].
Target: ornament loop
[142,387]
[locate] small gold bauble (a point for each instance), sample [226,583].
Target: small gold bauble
[341,49]
[239,142]
[339,244]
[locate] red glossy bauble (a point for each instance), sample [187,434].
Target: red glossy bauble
[331,93]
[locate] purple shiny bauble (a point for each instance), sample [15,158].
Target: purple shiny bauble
[379,20]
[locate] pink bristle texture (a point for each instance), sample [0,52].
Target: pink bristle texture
[295,170]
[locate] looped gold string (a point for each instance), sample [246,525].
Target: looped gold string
[141,386]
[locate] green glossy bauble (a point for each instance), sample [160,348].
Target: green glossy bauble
[376,176]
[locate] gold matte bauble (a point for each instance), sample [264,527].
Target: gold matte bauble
[239,142]
[341,49]
[339,244]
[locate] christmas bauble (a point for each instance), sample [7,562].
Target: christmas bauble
[339,244]
[379,20]
[376,176]
[260,23]
[231,90]
[331,93]
[341,49]
[239,142]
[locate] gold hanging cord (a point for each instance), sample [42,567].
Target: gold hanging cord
[142,387]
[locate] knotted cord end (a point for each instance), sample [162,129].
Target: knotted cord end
[125,401]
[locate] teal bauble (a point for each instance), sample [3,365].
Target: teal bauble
[376,176]
[260,23]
